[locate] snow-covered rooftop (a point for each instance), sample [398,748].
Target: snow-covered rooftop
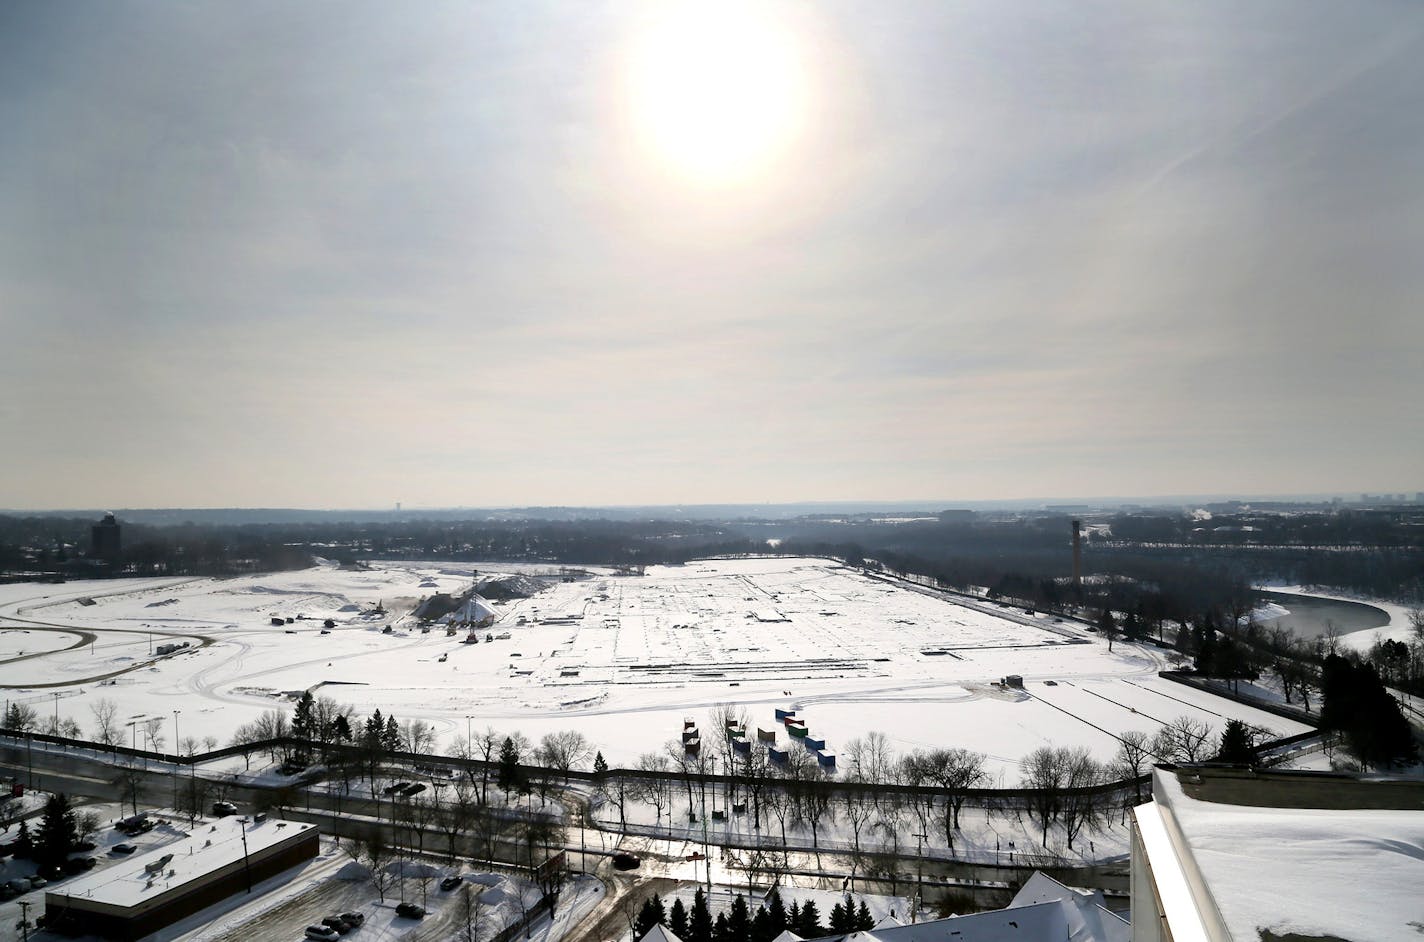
[210,846]
[1271,862]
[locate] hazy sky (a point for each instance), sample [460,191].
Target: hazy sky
[347,254]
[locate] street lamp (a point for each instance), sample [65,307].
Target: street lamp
[177,750]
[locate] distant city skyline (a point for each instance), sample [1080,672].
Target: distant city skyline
[657,253]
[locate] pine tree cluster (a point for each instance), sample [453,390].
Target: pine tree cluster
[739,924]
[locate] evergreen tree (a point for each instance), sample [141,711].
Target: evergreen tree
[341,728]
[864,922]
[762,930]
[1356,705]
[24,842]
[647,918]
[600,765]
[793,918]
[739,923]
[391,738]
[810,921]
[1236,744]
[699,921]
[508,776]
[776,909]
[58,832]
[659,912]
[720,933]
[303,720]
[677,919]
[838,922]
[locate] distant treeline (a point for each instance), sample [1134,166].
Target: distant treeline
[1169,565]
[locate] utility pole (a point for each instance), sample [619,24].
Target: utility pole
[25,919]
[176,752]
[919,876]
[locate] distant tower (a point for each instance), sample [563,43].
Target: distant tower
[1077,554]
[104,539]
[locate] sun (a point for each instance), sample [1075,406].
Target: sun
[716,91]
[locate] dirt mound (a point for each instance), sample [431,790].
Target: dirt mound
[514,586]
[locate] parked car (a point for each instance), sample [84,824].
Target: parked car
[337,923]
[410,911]
[397,787]
[625,861]
[122,849]
[449,883]
[415,789]
[354,920]
[38,881]
[222,809]
[85,846]
[12,888]
[322,934]
[76,865]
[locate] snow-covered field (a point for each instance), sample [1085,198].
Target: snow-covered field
[623,659]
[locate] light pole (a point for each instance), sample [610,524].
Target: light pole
[919,875]
[177,751]
[56,712]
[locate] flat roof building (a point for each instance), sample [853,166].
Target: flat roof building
[1233,854]
[130,898]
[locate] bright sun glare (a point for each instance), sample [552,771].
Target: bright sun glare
[716,90]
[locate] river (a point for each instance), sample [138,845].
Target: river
[1310,615]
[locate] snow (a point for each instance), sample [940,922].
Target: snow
[622,659]
[1351,874]
[209,847]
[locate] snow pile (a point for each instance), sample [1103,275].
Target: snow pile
[354,871]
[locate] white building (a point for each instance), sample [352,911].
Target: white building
[1231,854]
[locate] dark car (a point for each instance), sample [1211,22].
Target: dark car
[415,789]
[354,920]
[410,911]
[122,849]
[78,865]
[337,923]
[397,787]
[85,846]
[625,861]
[222,809]
[449,883]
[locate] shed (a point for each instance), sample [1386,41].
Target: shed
[741,745]
[814,745]
[783,714]
[798,732]
[1014,680]
[766,735]
[779,756]
[827,759]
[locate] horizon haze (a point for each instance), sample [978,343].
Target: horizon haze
[648,253]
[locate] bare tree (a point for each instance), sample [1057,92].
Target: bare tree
[654,789]
[1082,803]
[106,721]
[564,750]
[1134,758]
[471,913]
[153,732]
[1045,774]
[1184,740]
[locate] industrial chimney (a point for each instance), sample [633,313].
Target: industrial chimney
[1077,554]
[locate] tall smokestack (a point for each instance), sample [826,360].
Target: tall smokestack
[1077,554]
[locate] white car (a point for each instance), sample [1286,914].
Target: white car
[322,934]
